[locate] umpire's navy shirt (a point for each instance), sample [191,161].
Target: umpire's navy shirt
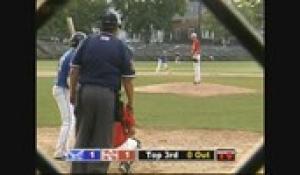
[103,60]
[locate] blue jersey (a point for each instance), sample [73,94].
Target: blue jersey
[103,60]
[64,68]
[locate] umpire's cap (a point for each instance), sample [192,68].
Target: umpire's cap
[76,38]
[109,21]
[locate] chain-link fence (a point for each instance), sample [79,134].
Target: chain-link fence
[147,52]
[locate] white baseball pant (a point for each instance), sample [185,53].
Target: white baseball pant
[66,109]
[159,64]
[197,70]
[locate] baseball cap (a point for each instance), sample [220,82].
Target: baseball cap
[194,34]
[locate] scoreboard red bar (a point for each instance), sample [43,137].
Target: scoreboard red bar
[225,154]
[126,155]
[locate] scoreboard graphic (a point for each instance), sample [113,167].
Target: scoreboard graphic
[94,155]
[225,154]
[175,155]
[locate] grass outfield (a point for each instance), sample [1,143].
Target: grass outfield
[241,112]
[206,66]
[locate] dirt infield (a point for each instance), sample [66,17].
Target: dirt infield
[171,139]
[203,89]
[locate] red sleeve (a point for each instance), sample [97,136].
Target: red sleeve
[199,46]
[193,47]
[119,135]
[128,118]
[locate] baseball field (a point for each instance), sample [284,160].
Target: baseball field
[225,111]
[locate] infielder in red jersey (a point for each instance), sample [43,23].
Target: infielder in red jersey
[196,54]
[123,135]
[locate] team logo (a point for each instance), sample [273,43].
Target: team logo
[109,155]
[75,155]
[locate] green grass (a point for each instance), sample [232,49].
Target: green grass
[46,65]
[47,110]
[206,66]
[243,112]
[237,112]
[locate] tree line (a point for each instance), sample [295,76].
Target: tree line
[142,16]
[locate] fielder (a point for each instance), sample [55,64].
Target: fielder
[61,94]
[196,52]
[177,58]
[162,62]
[124,131]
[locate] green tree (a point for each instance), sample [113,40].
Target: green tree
[85,13]
[251,9]
[144,16]
[210,22]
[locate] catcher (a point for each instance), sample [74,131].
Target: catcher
[123,134]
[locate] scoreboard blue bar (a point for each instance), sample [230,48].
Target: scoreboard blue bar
[83,155]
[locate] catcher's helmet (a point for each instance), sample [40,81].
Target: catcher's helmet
[117,14]
[76,38]
[109,21]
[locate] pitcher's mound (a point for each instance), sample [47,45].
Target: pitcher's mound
[203,89]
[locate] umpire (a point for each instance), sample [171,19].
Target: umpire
[102,63]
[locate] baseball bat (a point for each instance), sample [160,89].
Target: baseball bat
[71,25]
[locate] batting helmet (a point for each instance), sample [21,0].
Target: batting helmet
[76,38]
